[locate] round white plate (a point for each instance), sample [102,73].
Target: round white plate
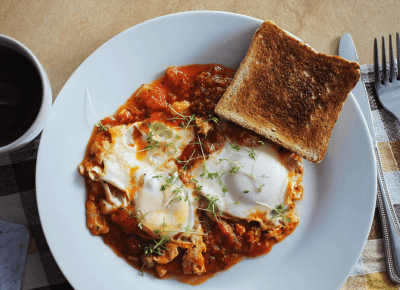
[339,197]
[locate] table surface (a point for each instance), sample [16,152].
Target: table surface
[63,33]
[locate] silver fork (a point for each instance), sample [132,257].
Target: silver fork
[388,91]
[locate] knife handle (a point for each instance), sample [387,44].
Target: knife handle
[390,225]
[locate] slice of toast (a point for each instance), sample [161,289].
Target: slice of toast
[288,93]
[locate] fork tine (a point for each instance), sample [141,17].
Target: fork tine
[398,55]
[376,64]
[384,68]
[392,73]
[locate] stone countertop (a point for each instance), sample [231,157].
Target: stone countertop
[63,33]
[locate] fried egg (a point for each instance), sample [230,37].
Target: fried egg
[248,184]
[139,173]
[168,211]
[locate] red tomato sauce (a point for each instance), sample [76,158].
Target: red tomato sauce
[227,241]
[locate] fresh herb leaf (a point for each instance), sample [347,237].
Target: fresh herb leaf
[234,169]
[101,127]
[235,147]
[212,199]
[224,189]
[215,119]
[212,175]
[252,154]
[279,212]
[140,220]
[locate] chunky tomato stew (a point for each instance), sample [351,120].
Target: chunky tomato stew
[167,132]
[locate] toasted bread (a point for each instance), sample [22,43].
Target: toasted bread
[288,93]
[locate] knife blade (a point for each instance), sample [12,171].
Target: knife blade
[390,224]
[348,51]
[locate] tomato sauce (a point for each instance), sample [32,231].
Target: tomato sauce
[227,240]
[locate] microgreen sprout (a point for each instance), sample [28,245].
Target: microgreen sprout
[101,127]
[158,246]
[188,119]
[150,139]
[235,147]
[175,195]
[141,218]
[279,212]
[169,181]
[184,167]
[252,154]
[224,189]
[205,170]
[212,199]
[234,169]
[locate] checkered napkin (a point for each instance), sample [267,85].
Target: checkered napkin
[18,205]
[370,271]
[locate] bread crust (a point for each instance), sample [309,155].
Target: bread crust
[288,93]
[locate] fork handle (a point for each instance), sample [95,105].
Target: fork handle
[390,226]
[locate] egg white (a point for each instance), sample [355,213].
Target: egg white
[140,179]
[257,188]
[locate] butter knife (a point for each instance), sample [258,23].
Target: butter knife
[390,224]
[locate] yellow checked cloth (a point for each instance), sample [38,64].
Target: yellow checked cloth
[370,271]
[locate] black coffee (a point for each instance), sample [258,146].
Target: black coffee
[18,71]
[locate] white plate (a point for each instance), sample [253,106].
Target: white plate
[339,197]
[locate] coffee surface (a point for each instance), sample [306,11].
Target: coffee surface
[18,71]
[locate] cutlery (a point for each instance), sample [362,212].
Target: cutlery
[390,224]
[389,91]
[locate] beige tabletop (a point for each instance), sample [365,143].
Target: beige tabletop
[63,33]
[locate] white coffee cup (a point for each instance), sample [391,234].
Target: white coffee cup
[46,99]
